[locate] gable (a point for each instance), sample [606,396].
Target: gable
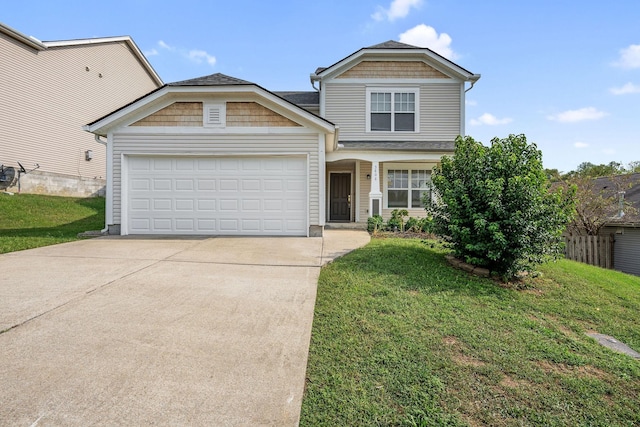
[252,114]
[393,69]
[238,114]
[176,114]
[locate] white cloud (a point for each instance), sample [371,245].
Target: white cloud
[489,119]
[397,9]
[572,116]
[609,151]
[580,144]
[198,56]
[165,46]
[629,57]
[627,88]
[471,102]
[424,36]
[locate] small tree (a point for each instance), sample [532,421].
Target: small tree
[598,201]
[495,207]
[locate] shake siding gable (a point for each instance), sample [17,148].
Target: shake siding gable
[47,96]
[238,114]
[393,69]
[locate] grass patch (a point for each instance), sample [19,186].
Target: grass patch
[401,338]
[30,221]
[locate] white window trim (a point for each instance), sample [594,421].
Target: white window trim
[393,90]
[222,114]
[401,166]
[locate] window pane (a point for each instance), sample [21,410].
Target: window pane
[380,121]
[420,178]
[397,198]
[380,102]
[405,122]
[416,198]
[405,102]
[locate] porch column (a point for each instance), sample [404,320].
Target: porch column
[375,195]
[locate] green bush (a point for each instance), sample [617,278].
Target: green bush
[495,207]
[375,223]
[396,221]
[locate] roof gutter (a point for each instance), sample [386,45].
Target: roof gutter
[313,79]
[473,79]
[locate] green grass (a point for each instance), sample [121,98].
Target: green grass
[30,221]
[402,339]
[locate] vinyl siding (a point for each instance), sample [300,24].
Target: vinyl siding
[363,193]
[626,249]
[217,144]
[440,109]
[47,96]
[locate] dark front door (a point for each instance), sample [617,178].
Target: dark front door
[340,198]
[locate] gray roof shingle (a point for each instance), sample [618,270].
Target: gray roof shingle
[217,79]
[398,145]
[392,44]
[304,98]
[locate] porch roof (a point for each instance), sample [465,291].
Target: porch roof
[424,146]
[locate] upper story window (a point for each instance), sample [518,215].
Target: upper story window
[392,110]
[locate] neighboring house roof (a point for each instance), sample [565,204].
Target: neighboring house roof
[47,45]
[630,183]
[426,146]
[392,45]
[214,83]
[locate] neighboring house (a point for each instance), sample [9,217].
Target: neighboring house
[219,155]
[625,226]
[48,91]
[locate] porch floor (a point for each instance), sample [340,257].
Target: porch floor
[346,226]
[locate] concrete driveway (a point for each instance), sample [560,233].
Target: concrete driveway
[160,331]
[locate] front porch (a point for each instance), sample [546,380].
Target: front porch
[358,188]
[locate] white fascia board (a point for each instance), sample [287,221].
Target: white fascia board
[101,40]
[23,38]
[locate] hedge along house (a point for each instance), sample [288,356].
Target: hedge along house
[48,91]
[220,155]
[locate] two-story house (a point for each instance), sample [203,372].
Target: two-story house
[48,91]
[220,155]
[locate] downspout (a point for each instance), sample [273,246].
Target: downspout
[99,141]
[473,81]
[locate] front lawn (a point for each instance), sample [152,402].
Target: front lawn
[400,338]
[30,221]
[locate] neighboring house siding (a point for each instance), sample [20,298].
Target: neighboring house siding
[217,144]
[440,112]
[47,96]
[626,250]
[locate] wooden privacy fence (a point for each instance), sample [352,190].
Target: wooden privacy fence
[594,250]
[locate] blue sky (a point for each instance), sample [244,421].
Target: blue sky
[565,73]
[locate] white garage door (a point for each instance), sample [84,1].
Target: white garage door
[211,195]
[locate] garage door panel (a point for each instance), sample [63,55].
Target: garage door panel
[161,184]
[252,196]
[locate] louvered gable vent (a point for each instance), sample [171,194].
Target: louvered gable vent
[215,115]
